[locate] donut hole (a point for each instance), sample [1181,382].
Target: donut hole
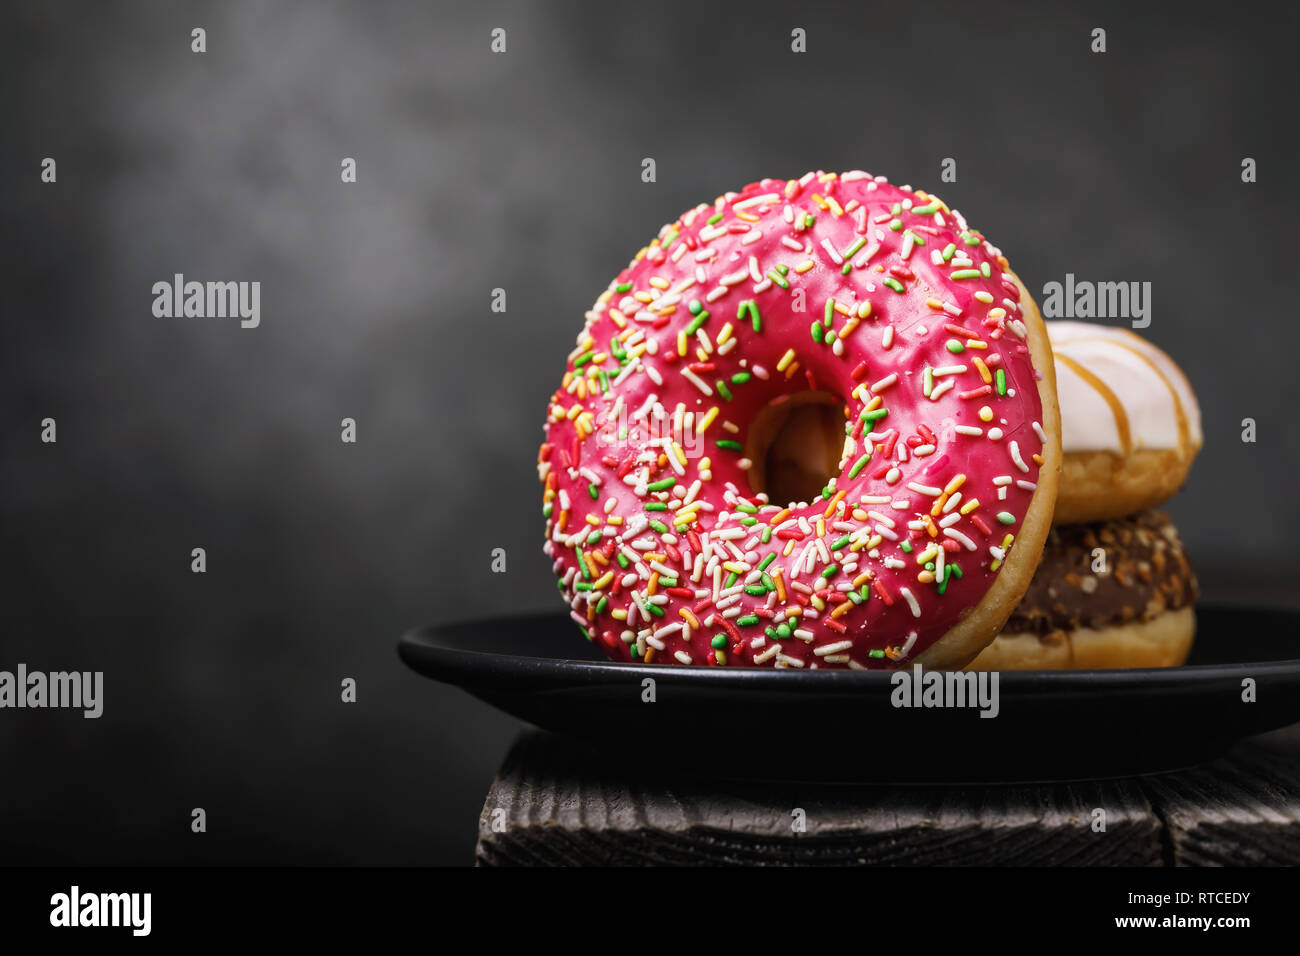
[795,444]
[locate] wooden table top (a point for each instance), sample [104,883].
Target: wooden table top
[556,802]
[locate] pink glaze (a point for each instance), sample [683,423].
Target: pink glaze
[901,609]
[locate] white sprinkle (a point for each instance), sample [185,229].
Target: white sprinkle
[1015,456]
[683,657]
[995,434]
[1038,430]
[696,381]
[886,382]
[940,389]
[969,430]
[832,648]
[830,251]
[911,601]
[1025,485]
[957,536]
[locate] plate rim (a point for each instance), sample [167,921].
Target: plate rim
[417,647]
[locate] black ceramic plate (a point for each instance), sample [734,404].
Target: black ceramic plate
[842,725]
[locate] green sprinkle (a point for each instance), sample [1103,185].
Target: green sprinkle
[582,586]
[762,565]
[583,359]
[593,537]
[695,306]
[740,378]
[843,542]
[659,526]
[696,322]
[747,620]
[808,220]
[746,507]
[757,590]
[766,534]
[828,313]
[846,268]
[767,581]
[955,347]
[858,466]
[656,506]
[593,490]
[623,287]
[603,603]
[778,280]
[817,334]
[714,219]
[622,560]
[927,381]
[719,641]
[876,653]
[857,244]
[925,210]
[948,251]
[654,609]
[895,224]
[830,571]
[1001,378]
[906,547]
[984,269]
[782,631]
[783,269]
[895,285]
[947,573]
[964,274]
[915,238]
[749,522]
[854,596]
[1006,517]
[663,485]
[722,389]
[730,445]
[874,415]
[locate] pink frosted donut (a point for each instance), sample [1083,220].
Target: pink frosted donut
[926,533]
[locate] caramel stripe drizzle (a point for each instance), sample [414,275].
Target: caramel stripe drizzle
[1180,416]
[1116,406]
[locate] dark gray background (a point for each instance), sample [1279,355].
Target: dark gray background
[520,171]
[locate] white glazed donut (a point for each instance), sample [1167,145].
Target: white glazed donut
[1130,424]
